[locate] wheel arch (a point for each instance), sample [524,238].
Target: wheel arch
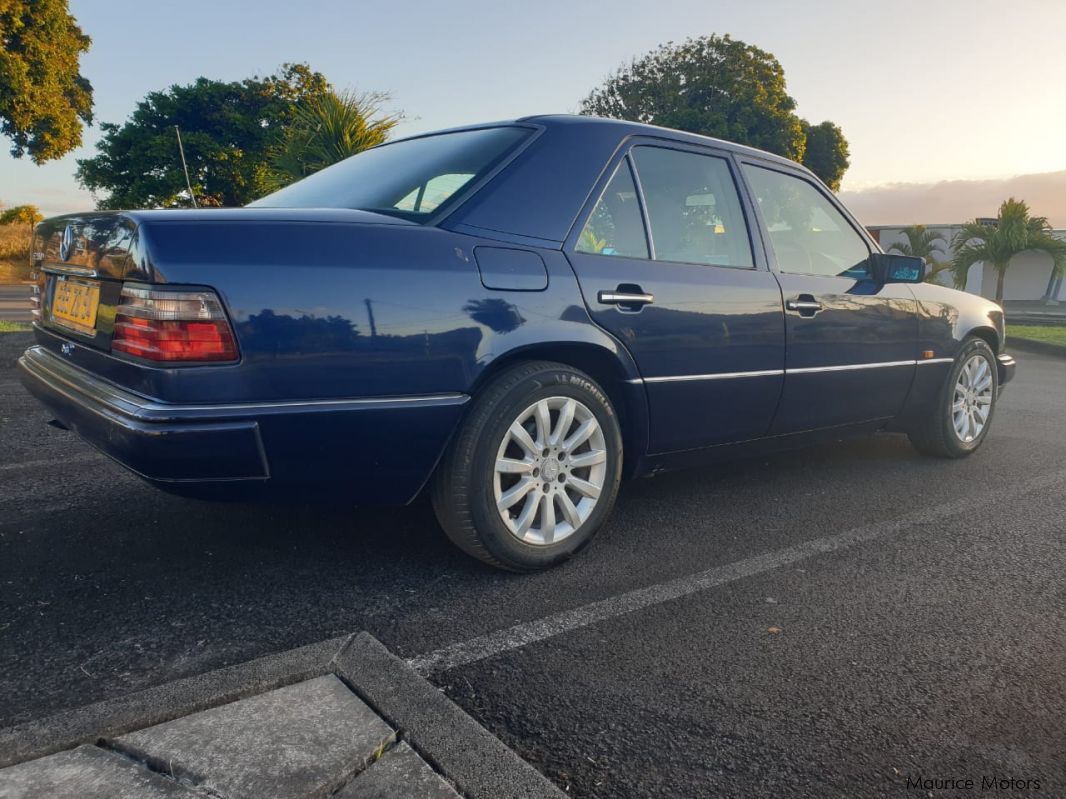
[987,334]
[613,370]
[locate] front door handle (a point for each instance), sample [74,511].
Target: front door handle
[626,297]
[805,305]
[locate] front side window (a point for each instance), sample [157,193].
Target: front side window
[808,233]
[615,226]
[693,208]
[411,178]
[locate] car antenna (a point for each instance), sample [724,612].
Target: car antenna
[184,166]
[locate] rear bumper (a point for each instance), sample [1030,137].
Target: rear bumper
[1006,366]
[375,449]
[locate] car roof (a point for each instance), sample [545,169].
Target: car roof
[538,195]
[625,128]
[620,128]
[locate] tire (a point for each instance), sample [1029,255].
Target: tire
[939,435]
[473,484]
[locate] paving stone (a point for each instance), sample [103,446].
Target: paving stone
[302,740]
[87,772]
[399,774]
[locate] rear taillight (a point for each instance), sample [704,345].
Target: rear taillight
[182,326]
[35,302]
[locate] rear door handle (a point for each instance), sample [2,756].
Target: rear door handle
[804,304]
[628,299]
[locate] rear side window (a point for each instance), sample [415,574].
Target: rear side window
[429,196]
[693,208]
[808,233]
[412,178]
[616,226]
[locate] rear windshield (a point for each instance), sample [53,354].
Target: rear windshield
[411,178]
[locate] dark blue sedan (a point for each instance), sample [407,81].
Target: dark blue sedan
[512,317]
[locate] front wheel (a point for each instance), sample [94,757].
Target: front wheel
[963,413]
[534,469]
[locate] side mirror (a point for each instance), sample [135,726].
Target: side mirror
[892,268]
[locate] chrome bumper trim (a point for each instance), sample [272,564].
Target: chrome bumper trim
[76,382]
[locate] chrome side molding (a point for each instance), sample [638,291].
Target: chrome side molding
[776,372]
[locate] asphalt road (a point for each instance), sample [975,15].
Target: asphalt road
[14,302]
[919,608]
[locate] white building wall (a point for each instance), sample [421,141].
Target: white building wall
[1026,279]
[1027,276]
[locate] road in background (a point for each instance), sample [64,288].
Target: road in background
[932,647]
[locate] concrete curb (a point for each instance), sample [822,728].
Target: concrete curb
[1041,347]
[471,757]
[1036,318]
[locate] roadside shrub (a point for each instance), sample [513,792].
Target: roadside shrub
[14,242]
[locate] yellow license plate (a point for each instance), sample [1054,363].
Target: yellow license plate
[75,304]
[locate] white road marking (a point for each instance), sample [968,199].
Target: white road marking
[496,643]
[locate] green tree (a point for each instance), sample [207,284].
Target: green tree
[711,85]
[826,153]
[21,215]
[327,128]
[722,87]
[226,129]
[927,244]
[16,237]
[1014,231]
[44,99]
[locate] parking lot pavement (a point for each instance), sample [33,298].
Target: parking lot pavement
[831,622]
[14,302]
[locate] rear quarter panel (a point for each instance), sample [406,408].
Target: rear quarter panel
[325,310]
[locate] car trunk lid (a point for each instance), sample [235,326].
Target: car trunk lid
[80,263]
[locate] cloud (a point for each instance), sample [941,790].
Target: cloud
[953,201]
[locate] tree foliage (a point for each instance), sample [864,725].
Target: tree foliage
[826,153]
[44,99]
[327,128]
[722,87]
[927,244]
[21,215]
[227,130]
[1014,231]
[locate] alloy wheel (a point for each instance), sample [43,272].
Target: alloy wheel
[550,470]
[971,403]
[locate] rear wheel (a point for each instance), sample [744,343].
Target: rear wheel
[963,413]
[534,469]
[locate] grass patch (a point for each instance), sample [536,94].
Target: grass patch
[14,327]
[1050,334]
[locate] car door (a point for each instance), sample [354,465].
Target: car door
[666,263]
[850,341]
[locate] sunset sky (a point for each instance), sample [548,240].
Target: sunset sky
[926,92]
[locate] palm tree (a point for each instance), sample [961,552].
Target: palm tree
[923,243]
[1013,231]
[327,128]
